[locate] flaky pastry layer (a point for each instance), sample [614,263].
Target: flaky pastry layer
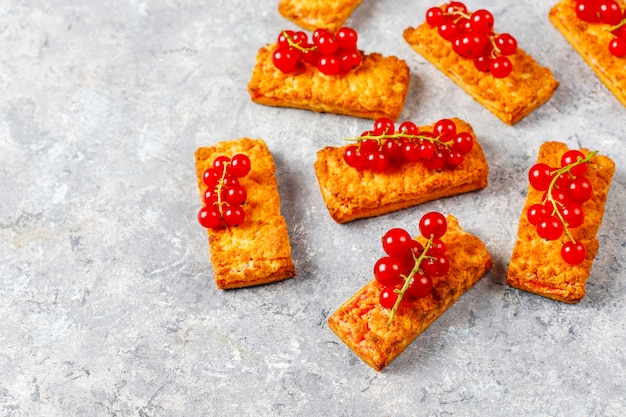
[351,194]
[536,264]
[257,251]
[377,88]
[591,41]
[314,14]
[362,323]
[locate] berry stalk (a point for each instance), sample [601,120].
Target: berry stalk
[379,138]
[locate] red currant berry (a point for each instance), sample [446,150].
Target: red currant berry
[438,247]
[347,39]
[464,25]
[506,44]
[377,161]
[470,45]
[328,64]
[445,129]
[283,37]
[410,151]
[573,253]
[239,166]
[236,195]
[448,30]
[587,10]
[456,7]
[609,12]
[426,150]
[285,60]
[219,162]
[536,213]
[388,271]
[408,128]
[233,216]
[397,242]
[353,157]
[437,161]
[420,286]
[501,67]
[433,224]
[211,196]
[453,159]
[393,149]
[349,60]
[580,189]
[463,143]
[617,46]
[388,297]
[482,21]
[326,43]
[383,126]
[209,217]
[483,63]
[311,55]
[436,267]
[573,215]
[300,38]
[571,157]
[540,176]
[211,177]
[434,16]
[550,228]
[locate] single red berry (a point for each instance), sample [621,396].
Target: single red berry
[587,10]
[470,45]
[383,126]
[328,64]
[211,177]
[580,189]
[408,127]
[426,150]
[211,196]
[609,12]
[433,224]
[453,159]
[437,161]
[483,63]
[233,216]
[326,43]
[438,247]
[540,176]
[501,67]
[300,38]
[617,46]
[448,30]
[388,271]
[377,161]
[434,16]
[456,7]
[397,242]
[550,228]
[349,60]
[209,217]
[283,37]
[482,21]
[411,151]
[285,59]
[219,162]
[311,55]
[420,286]
[571,157]
[463,143]
[445,130]
[506,44]
[235,195]
[464,25]
[353,157]
[573,253]
[393,149]
[388,297]
[347,39]
[573,214]
[437,266]
[536,213]
[239,166]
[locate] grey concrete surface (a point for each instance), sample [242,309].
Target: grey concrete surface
[107,298]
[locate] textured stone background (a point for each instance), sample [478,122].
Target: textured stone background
[107,298]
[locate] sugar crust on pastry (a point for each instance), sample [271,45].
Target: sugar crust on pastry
[377,88]
[314,14]
[536,264]
[351,194]
[257,251]
[361,322]
[510,98]
[591,41]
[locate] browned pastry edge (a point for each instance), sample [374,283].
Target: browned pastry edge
[591,41]
[329,14]
[350,194]
[536,264]
[377,88]
[511,98]
[362,323]
[258,251]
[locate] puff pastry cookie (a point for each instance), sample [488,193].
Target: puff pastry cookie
[536,264]
[590,40]
[510,98]
[257,251]
[351,194]
[313,14]
[362,324]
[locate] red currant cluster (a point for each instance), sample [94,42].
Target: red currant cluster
[610,13]
[408,267]
[224,195]
[566,189]
[472,37]
[384,147]
[331,54]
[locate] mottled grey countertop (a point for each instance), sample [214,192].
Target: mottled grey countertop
[107,297]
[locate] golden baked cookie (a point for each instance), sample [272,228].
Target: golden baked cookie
[362,323]
[377,88]
[510,98]
[258,250]
[314,14]
[536,264]
[591,41]
[352,194]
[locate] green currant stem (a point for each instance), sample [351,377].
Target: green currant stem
[379,139]
[460,14]
[218,190]
[617,26]
[408,278]
[550,198]
[495,52]
[295,45]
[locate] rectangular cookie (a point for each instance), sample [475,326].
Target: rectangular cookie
[511,98]
[377,88]
[314,14]
[258,250]
[362,323]
[591,41]
[351,194]
[536,264]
